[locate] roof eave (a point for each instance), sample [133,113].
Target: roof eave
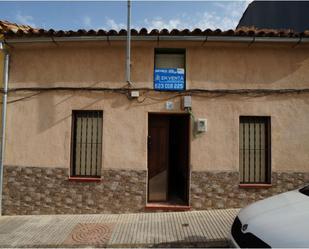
[159,38]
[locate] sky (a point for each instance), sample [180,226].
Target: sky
[68,15]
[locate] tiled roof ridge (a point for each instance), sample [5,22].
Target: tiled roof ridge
[6,26]
[12,30]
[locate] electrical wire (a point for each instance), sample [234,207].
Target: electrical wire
[193,92]
[23,98]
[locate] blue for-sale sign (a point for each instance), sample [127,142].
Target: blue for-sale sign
[171,79]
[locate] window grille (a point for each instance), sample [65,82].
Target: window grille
[86,143]
[254,150]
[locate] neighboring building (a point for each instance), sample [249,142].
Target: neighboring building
[292,15]
[1,79]
[6,26]
[77,142]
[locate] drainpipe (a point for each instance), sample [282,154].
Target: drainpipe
[4,104]
[128,57]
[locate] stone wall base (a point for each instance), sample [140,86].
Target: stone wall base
[221,190]
[35,190]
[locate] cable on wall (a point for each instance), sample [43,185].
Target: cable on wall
[193,92]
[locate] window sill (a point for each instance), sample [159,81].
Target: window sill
[166,207]
[256,185]
[84,179]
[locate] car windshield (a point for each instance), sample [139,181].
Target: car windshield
[305,190]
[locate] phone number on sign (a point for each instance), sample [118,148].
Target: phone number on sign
[176,86]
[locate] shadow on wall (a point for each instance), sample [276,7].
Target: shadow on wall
[75,66]
[210,67]
[56,107]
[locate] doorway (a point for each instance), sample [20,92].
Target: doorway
[168,158]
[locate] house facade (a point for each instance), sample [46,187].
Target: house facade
[80,139]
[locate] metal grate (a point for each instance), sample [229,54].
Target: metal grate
[254,149]
[87,143]
[90,234]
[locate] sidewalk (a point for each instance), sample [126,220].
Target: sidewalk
[177,229]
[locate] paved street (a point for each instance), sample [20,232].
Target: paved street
[171,229]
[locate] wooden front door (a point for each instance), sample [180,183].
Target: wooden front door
[168,158]
[158,157]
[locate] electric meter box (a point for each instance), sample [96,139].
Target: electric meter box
[187,102]
[201,125]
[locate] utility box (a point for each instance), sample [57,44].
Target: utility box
[134,94]
[187,102]
[201,125]
[169,105]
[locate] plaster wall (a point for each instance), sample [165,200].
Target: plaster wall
[208,66]
[39,128]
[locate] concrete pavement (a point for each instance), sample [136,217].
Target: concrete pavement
[170,229]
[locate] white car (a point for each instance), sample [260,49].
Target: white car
[278,221]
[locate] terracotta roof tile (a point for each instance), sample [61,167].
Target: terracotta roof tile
[12,30]
[6,26]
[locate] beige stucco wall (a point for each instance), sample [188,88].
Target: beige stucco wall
[39,128]
[208,66]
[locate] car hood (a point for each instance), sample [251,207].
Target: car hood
[280,221]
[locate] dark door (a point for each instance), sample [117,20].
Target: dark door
[168,158]
[178,158]
[158,157]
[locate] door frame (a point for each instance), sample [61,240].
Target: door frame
[189,151]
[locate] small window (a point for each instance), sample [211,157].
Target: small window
[86,143]
[169,71]
[254,150]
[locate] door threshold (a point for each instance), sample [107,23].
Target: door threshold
[166,207]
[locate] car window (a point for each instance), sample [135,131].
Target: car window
[305,190]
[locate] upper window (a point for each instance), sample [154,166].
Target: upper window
[86,143]
[170,69]
[254,150]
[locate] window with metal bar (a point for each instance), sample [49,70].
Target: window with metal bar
[86,143]
[254,150]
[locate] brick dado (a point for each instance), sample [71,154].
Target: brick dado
[210,190]
[34,190]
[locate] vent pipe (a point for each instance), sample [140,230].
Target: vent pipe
[4,104]
[128,57]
